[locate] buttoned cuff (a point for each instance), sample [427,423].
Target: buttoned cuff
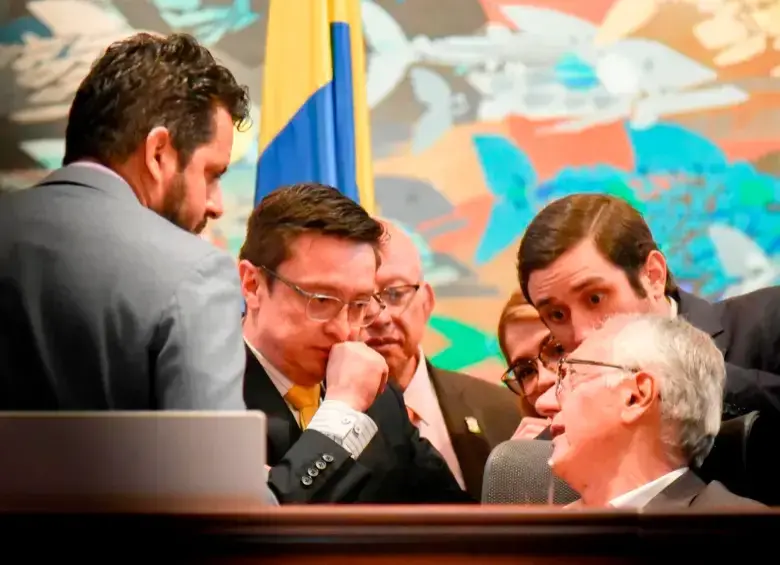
[349,428]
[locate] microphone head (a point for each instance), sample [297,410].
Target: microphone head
[518,472]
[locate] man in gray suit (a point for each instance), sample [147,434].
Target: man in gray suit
[108,299]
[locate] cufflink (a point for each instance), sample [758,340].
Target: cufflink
[472,425]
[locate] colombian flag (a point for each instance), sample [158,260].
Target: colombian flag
[314,118]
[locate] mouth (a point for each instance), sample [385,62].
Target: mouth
[380,342]
[557,430]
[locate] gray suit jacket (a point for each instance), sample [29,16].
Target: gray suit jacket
[689,491]
[104,305]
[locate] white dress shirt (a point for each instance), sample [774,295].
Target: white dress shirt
[349,428]
[640,497]
[420,396]
[673,307]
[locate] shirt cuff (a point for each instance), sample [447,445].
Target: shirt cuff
[351,429]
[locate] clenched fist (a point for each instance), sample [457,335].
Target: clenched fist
[355,374]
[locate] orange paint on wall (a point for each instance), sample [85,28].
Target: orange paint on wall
[591,10]
[550,153]
[451,165]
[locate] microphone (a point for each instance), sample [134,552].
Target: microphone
[518,472]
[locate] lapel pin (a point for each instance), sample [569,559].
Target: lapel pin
[472,425]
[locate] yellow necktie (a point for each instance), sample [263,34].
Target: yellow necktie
[305,400]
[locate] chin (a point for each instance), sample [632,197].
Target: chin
[315,371]
[560,456]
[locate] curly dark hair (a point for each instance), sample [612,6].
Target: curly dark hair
[146,81]
[291,211]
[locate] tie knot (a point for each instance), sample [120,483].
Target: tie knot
[414,416]
[303,396]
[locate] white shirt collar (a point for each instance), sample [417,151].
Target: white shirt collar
[673,307]
[419,388]
[639,497]
[97,166]
[282,383]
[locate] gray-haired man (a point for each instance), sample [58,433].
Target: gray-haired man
[636,405]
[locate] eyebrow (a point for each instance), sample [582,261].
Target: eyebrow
[397,282]
[334,291]
[590,281]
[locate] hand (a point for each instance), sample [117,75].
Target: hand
[355,374]
[530,427]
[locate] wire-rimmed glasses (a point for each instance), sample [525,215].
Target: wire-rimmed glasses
[324,308]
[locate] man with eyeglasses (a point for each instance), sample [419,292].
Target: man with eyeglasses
[337,432]
[462,416]
[636,407]
[585,257]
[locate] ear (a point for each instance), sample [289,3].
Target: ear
[160,157]
[251,282]
[429,300]
[638,395]
[655,273]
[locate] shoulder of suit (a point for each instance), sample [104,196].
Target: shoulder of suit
[764,299]
[127,238]
[719,490]
[173,253]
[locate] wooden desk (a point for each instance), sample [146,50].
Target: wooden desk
[235,532]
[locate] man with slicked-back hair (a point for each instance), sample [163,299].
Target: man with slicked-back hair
[588,256]
[109,300]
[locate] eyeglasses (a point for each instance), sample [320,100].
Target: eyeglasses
[324,308]
[563,371]
[398,298]
[523,373]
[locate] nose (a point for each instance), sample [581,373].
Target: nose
[546,379]
[547,404]
[383,319]
[214,206]
[339,327]
[581,326]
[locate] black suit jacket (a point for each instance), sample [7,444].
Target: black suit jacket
[397,466]
[746,329]
[495,409]
[689,491]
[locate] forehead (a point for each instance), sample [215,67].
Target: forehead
[400,261]
[331,263]
[581,266]
[395,269]
[523,337]
[595,347]
[216,152]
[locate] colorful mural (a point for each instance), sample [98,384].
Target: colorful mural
[481,114]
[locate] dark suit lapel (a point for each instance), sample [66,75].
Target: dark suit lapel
[703,315]
[261,394]
[470,446]
[680,494]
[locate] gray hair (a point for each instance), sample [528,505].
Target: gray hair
[691,373]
